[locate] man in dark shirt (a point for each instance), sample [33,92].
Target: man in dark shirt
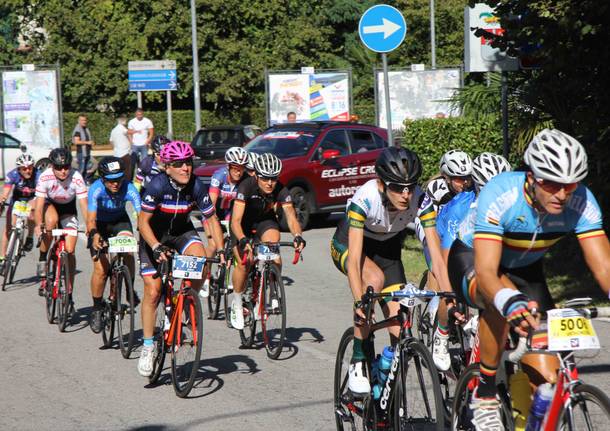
[81,137]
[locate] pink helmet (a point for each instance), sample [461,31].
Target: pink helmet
[176,150]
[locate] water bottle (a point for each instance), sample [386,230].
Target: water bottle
[521,398]
[383,367]
[540,405]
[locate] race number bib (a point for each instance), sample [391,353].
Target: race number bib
[122,244]
[569,330]
[190,267]
[21,209]
[268,252]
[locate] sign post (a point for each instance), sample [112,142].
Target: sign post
[382,29]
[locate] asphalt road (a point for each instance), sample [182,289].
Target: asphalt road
[51,380]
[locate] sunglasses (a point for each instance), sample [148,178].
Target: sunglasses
[554,187]
[267,179]
[461,179]
[26,168]
[113,180]
[179,163]
[401,188]
[61,167]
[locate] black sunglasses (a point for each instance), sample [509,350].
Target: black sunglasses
[61,167]
[262,178]
[401,188]
[179,163]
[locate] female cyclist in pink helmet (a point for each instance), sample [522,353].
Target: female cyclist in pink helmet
[176,150]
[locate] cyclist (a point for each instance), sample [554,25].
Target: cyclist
[22,182]
[165,225]
[252,156]
[107,217]
[367,243]
[519,216]
[455,168]
[255,209]
[150,165]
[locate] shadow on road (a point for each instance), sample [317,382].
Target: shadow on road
[298,334]
[79,320]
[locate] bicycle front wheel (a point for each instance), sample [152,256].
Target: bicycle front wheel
[15,259]
[187,342]
[588,409]
[125,311]
[108,321]
[159,337]
[47,285]
[274,313]
[63,310]
[8,261]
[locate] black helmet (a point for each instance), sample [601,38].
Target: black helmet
[158,142]
[398,165]
[111,168]
[60,157]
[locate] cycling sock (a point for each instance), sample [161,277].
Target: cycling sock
[442,331]
[358,354]
[97,303]
[487,381]
[148,341]
[42,257]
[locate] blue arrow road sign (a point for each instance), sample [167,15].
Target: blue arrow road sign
[152,85]
[152,80]
[382,28]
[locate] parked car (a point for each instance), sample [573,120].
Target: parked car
[211,143]
[323,162]
[11,148]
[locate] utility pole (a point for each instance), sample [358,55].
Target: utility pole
[432,36]
[196,89]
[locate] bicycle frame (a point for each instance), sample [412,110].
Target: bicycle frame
[58,248]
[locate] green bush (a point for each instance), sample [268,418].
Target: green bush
[431,138]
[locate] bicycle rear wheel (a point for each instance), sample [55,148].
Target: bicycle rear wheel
[589,410]
[63,310]
[159,337]
[108,321]
[226,291]
[217,283]
[125,311]
[8,260]
[187,342]
[274,313]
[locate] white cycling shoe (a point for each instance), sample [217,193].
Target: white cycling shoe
[487,414]
[237,315]
[204,292]
[440,353]
[145,363]
[357,382]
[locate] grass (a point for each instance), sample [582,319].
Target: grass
[413,259]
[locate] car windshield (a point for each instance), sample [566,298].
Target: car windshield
[284,144]
[219,138]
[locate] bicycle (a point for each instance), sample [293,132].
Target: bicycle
[571,396]
[16,241]
[403,403]
[264,297]
[56,286]
[179,322]
[116,312]
[220,279]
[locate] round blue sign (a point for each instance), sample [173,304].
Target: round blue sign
[382,28]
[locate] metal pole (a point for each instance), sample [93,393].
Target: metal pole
[386,90]
[506,148]
[170,124]
[196,89]
[432,35]
[139,100]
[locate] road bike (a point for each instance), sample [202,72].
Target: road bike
[410,397]
[220,280]
[575,405]
[264,297]
[179,323]
[16,241]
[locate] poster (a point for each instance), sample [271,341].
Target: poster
[313,97]
[417,94]
[31,108]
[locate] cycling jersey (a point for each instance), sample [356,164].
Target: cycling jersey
[451,216]
[110,207]
[23,189]
[506,214]
[226,191]
[367,211]
[171,205]
[260,206]
[437,195]
[61,192]
[147,169]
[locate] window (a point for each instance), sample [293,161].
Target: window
[363,141]
[334,140]
[7,141]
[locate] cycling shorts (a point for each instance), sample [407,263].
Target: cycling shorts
[257,230]
[530,279]
[386,255]
[111,229]
[148,264]
[66,214]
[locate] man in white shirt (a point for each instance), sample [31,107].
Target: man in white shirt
[141,132]
[121,144]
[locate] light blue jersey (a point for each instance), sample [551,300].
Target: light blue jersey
[111,207]
[451,216]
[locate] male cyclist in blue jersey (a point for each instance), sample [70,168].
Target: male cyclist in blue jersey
[519,216]
[150,165]
[107,217]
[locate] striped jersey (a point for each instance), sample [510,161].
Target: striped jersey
[225,190]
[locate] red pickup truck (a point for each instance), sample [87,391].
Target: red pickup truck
[323,162]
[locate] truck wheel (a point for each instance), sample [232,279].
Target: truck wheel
[302,206]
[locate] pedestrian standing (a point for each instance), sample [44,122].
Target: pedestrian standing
[81,137]
[141,132]
[121,144]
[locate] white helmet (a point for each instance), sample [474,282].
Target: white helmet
[236,156]
[486,166]
[455,163]
[268,165]
[252,156]
[24,160]
[437,189]
[555,156]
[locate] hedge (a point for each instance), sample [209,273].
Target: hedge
[431,138]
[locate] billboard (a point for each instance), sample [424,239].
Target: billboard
[313,97]
[416,94]
[30,106]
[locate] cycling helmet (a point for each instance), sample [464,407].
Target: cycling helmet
[60,157]
[268,165]
[556,156]
[486,166]
[236,156]
[437,189]
[158,142]
[398,165]
[24,160]
[111,168]
[176,150]
[456,163]
[251,159]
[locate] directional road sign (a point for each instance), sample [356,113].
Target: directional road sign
[382,28]
[152,75]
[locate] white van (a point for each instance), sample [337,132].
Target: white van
[11,148]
